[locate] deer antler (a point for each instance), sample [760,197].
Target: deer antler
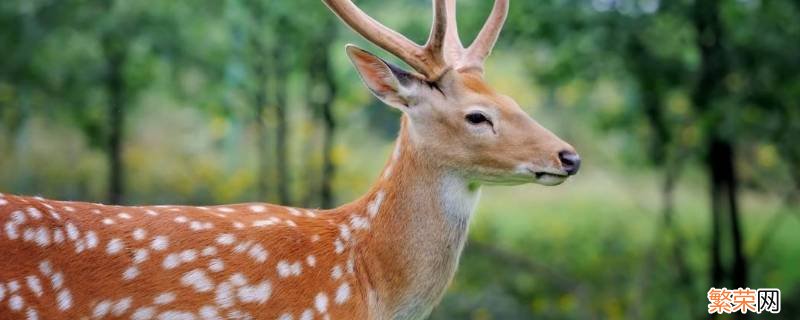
[482,46]
[442,51]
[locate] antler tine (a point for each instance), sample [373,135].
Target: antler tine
[380,35]
[482,46]
[428,60]
[453,49]
[444,46]
[438,29]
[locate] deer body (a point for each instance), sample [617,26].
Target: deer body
[388,255]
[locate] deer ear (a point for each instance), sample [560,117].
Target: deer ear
[392,85]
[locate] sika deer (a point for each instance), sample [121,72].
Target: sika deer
[388,255]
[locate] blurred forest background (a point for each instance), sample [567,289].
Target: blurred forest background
[687,115]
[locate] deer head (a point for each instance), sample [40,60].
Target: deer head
[454,117]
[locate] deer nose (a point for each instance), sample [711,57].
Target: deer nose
[570,161]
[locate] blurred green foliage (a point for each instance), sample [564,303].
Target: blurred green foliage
[254,100]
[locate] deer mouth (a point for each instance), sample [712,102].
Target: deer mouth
[549,178]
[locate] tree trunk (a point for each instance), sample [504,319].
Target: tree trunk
[328,166]
[322,78]
[260,102]
[115,88]
[281,130]
[723,192]
[720,158]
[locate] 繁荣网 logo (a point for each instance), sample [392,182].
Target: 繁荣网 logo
[744,300]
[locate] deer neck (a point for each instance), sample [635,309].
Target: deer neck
[419,213]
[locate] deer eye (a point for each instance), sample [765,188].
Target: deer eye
[476,118]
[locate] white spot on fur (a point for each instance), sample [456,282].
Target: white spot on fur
[176,315]
[31,314]
[311,261]
[351,264]
[34,213]
[238,279]
[58,236]
[188,255]
[307,315]
[258,253]
[388,172]
[108,221]
[101,309]
[342,293]
[209,313]
[242,246]
[338,246]
[34,284]
[181,219]
[224,295]
[114,246]
[13,286]
[321,302]
[91,240]
[336,272]
[121,306]
[375,204]
[151,213]
[46,268]
[16,303]
[226,239]
[198,280]
[28,234]
[140,255]
[293,212]
[72,232]
[209,251]
[144,313]
[255,294]
[42,237]
[196,225]
[171,261]
[17,217]
[124,215]
[238,314]
[397,147]
[79,246]
[11,231]
[258,208]
[159,243]
[139,234]
[216,265]
[164,298]
[130,273]
[344,232]
[286,269]
[286,316]
[263,223]
[57,280]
